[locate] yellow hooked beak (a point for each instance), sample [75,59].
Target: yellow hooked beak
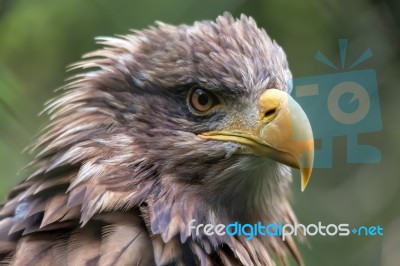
[283,133]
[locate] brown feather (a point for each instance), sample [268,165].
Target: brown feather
[84,245]
[129,233]
[35,250]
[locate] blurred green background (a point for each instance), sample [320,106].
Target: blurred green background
[38,39]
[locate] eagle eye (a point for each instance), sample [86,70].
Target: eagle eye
[202,100]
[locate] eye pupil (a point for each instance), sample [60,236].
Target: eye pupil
[203,98]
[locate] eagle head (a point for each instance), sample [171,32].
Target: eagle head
[174,124]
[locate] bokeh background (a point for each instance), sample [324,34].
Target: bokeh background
[38,39]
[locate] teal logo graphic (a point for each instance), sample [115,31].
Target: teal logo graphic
[345,103]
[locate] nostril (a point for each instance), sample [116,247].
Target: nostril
[270,112]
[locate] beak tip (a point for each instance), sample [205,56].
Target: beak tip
[305,177]
[303,186]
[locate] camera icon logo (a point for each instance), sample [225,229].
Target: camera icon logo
[358,92]
[341,104]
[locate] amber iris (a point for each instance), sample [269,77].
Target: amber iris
[202,100]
